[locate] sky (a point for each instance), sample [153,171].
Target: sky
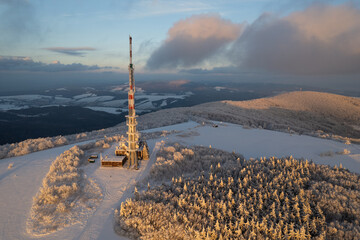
[246,40]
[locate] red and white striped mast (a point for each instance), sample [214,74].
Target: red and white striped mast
[133,135]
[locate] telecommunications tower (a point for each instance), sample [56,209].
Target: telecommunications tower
[131,122]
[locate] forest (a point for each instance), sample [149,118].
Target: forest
[219,195]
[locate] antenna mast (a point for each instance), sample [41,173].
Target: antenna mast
[133,135]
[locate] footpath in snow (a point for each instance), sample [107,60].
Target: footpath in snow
[19,184]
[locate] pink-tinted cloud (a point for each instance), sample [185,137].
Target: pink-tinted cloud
[326,23]
[193,40]
[204,27]
[321,39]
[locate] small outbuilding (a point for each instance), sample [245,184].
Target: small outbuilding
[113,162]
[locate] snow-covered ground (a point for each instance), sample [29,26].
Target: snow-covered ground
[19,184]
[115,103]
[111,110]
[256,143]
[94,99]
[26,97]
[89,100]
[8,106]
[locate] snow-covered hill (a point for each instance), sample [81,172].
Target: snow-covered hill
[21,177]
[20,183]
[303,112]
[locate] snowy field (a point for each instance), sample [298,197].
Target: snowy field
[90,100]
[256,143]
[20,183]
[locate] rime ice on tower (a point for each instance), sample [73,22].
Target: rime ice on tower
[133,135]
[135,149]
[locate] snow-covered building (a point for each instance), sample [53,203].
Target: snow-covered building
[113,162]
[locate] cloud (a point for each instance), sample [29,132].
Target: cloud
[321,39]
[193,40]
[27,64]
[17,22]
[78,51]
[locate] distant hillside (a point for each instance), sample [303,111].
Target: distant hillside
[325,104]
[302,112]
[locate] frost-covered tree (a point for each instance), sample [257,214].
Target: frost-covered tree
[244,199]
[64,192]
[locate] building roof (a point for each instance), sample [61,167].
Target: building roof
[114,159]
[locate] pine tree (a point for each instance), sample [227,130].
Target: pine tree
[217,226]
